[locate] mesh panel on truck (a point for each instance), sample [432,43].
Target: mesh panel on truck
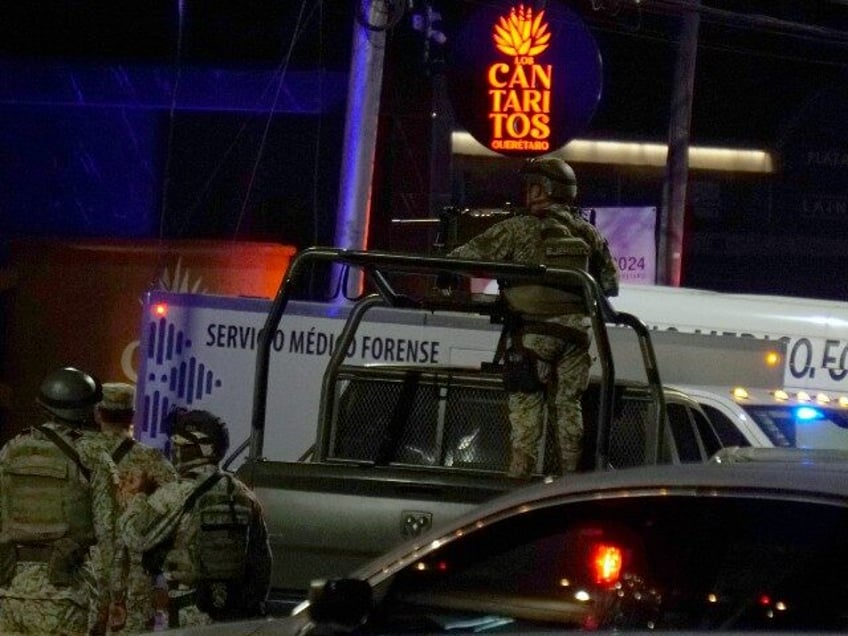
[632,410]
[454,418]
[627,437]
[369,411]
[477,428]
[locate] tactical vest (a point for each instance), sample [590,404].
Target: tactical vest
[224,533]
[45,496]
[560,250]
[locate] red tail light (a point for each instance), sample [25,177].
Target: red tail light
[605,562]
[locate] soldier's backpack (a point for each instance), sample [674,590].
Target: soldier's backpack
[44,497]
[222,544]
[559,249]
[222,551]
[224,533]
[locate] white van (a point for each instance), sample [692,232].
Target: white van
[749,416]
[806,408]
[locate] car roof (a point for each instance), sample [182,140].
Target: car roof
[781,454]
[793,470]
[790,475]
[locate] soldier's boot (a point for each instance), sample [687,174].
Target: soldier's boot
[521,464]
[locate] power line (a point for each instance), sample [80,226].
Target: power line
[753,21]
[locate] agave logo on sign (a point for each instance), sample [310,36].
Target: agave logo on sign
[525,81]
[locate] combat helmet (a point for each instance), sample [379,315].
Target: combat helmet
[556,177]
[197,437]
[70,395]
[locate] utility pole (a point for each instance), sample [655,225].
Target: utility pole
[670,248]
[360,136]
[441,112]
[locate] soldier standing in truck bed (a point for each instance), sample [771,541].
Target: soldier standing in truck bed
[547,359]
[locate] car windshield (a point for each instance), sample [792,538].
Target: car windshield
[802,426]
[644,562]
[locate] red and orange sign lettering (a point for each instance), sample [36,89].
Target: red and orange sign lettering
[520,89]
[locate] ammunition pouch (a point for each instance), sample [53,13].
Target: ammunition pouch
[520,372]
[66,559]
[63,557]
[543,301]
[8,561]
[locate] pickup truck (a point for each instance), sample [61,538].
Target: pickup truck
[400,448]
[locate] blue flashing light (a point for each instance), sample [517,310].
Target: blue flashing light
[808,413]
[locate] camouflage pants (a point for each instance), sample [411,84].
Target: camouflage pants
[564,369]
[139,597]
[32,605]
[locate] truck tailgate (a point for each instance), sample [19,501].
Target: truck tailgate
[326,519]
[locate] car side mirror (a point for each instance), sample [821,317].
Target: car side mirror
[340,604]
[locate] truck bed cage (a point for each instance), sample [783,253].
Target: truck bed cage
[378,266]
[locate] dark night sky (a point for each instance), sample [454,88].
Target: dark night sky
[751,57]
[766,71]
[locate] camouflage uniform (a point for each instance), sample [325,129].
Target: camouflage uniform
[131,592]
[29,602]
[130,583]
[562,365]
[160,519]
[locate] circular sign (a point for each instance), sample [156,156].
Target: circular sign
[524,81]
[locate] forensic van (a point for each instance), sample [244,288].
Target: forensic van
[808,409]
[199,350]
[815,331]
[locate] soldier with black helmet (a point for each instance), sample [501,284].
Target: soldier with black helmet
[205,533]
[57,506]
[547,358]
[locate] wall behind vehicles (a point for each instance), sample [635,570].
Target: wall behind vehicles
[199,351]
[78,302]
[815,331]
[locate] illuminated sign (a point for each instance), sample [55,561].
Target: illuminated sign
[520,91]
[525,81]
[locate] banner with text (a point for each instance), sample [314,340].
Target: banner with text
[631,234]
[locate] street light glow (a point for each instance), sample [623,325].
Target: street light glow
[638,154]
